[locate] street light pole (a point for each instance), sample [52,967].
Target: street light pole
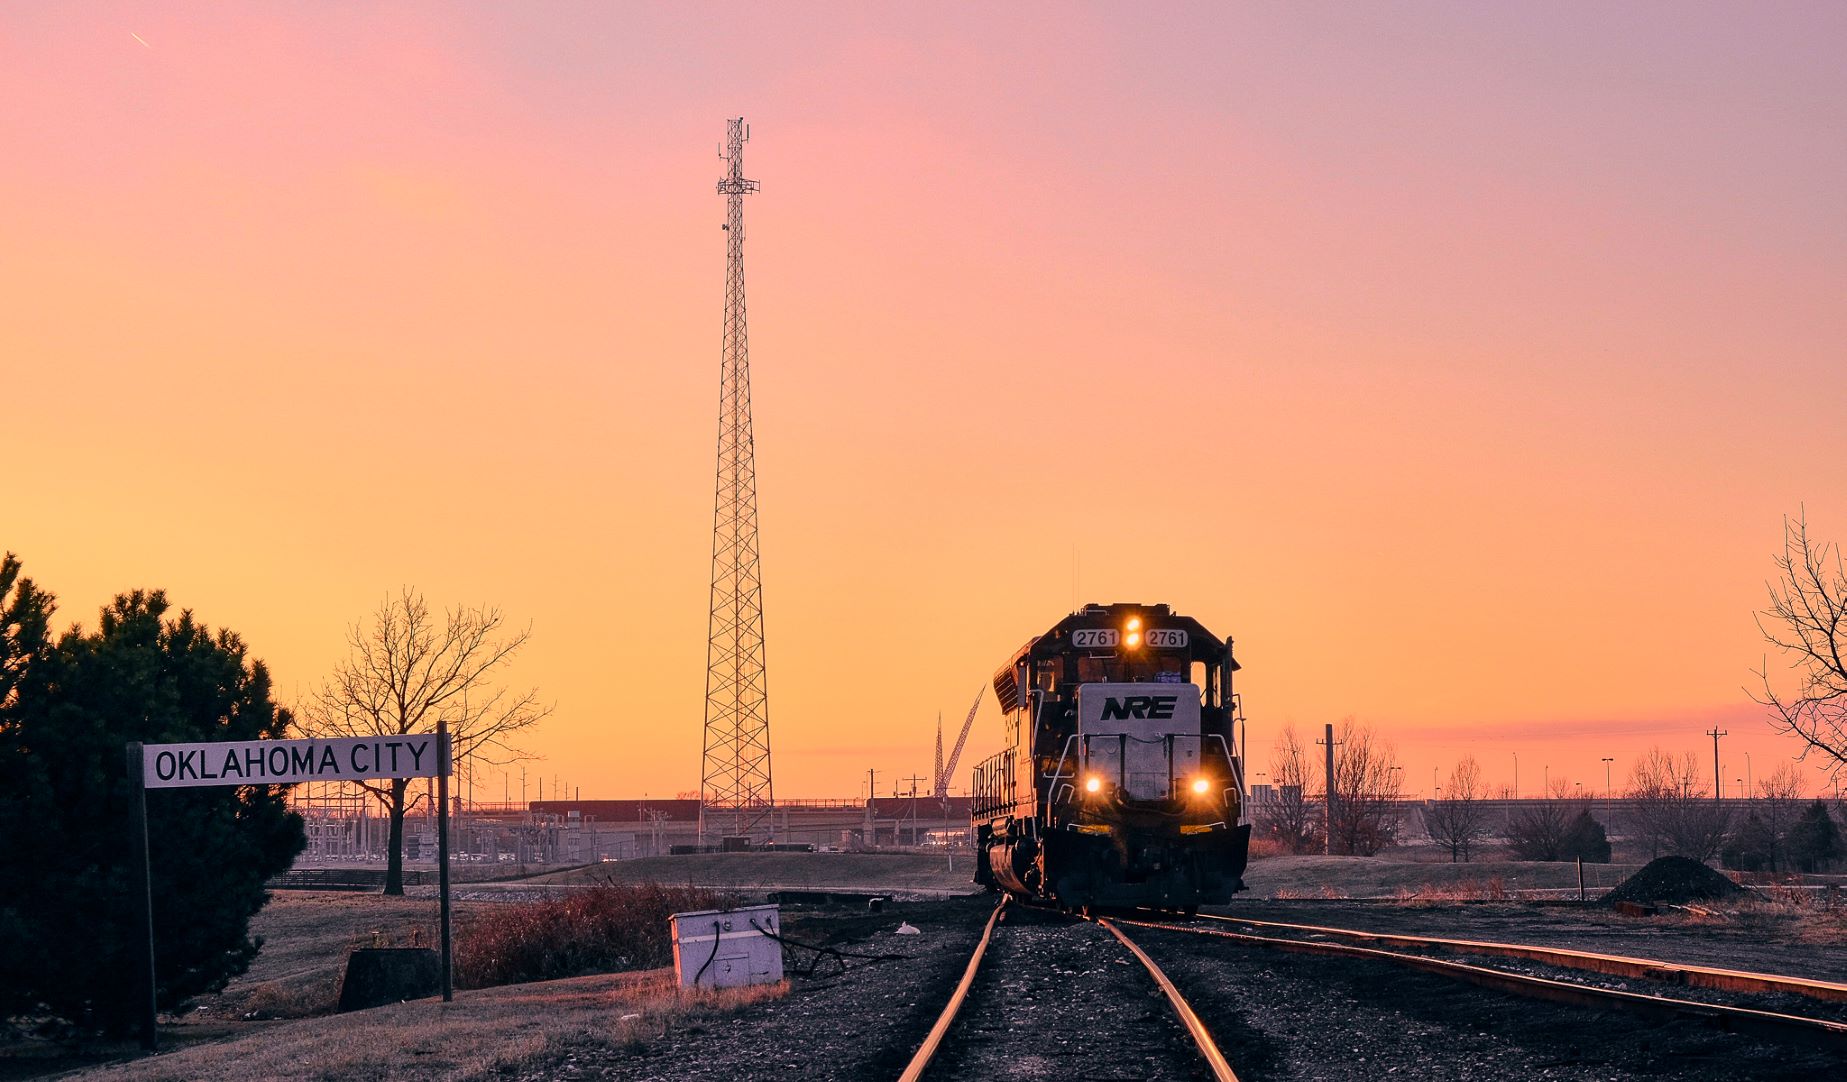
[1607,760]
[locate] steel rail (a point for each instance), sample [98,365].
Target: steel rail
[1208,1048]
[926,1051]
[1537,987]
[1617,965]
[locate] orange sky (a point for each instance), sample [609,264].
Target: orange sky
[1460,363]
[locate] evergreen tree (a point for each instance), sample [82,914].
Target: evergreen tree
[25,623]
[1585,840]
[1814,842]
[68,934]
[1752,846]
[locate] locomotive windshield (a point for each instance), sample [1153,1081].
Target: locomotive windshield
[1133,668]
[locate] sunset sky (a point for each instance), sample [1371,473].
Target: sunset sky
[1458,360]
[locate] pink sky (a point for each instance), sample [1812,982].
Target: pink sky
[1460,362]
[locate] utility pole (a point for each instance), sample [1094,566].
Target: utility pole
[1328,804]
[913,779]
[1516,775]
[1718,787]
[872,793]
[734,777]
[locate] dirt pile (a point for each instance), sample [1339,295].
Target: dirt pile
[1674,880]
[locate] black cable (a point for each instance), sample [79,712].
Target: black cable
[839,956]
[717,934]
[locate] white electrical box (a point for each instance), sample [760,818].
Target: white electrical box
[725,948]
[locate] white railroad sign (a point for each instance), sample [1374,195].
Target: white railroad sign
[284,762]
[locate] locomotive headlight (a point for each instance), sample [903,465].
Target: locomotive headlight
[1200,785]
[1135,623]
[1133,638]
[1093,784]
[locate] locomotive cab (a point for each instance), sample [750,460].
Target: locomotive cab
[1122,784]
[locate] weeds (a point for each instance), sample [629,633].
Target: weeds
[601,929]
[1261,848]
[1491,889]
[276,999]
[1325,892]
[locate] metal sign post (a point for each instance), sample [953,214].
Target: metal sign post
[143,891]
[442,856]
[281,762]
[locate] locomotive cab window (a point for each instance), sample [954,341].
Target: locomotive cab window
[1133,668]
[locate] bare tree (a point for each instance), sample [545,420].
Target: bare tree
[1364,819]
[409,669]
[1293,816]
[1807,622]
[1674,810]
[1537,831]
[1459,820]
[1779,804]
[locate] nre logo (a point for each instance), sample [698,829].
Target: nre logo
[1143,707]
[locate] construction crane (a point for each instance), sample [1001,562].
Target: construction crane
[945,769]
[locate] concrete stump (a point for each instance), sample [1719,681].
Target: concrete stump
[376,976]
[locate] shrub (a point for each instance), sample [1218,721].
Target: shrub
[1586,840]
[601,929]
[70,940]
[1266,847]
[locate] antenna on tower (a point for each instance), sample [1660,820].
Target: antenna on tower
[734,778]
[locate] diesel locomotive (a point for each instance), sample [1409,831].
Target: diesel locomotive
[1122,783]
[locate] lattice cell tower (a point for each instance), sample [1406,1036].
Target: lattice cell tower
[735,776]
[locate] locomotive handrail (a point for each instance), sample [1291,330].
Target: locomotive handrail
[1051,779]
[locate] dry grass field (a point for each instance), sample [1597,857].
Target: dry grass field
[531,1029]
[906,873]
[275,1021]
[306,937]
[1388,877]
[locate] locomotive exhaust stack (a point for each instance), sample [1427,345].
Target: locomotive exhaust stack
[1122,784]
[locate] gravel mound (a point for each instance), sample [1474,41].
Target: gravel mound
[1674,880]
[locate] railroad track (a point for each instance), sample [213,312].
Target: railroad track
[1766,1022]
[955,1045]
[939,1038]
[1615,965]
